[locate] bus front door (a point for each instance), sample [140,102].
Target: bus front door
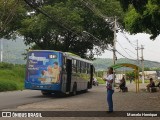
[91,75]
[69,73]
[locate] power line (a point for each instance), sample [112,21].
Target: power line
[130,51]
[53,19]
[110,20]
[92,7]
[96,39]
[124,49]
[57,21]
[89,5]
[122,54]
[133,45]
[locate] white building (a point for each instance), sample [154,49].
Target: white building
[149,74]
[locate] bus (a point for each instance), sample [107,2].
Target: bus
[57,72]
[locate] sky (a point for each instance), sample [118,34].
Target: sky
[151,47]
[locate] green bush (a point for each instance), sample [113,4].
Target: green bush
[99,73]
[11,77]
[140,81]
[4,65]
[7,85]
[145,81]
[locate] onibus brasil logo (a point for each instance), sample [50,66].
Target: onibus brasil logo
[21,114]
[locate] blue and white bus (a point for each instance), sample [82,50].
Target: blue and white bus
[57,72]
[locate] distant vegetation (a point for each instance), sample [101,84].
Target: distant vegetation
[13,54]
[103,63]
[12,77]
[13,50]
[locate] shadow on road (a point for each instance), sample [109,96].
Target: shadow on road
[54,96]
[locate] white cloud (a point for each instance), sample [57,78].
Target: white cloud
[151,47]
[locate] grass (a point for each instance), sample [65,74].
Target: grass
[140,81]
[100,80]
[145,81]
[11,77]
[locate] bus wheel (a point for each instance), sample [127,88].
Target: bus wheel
[88,85]
[86,90]
[44,92]
[74,91]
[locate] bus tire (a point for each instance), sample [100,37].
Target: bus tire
[88,85]
[74,90]
[45,93]
[86,90]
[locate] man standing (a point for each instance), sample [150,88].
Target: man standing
[109,78]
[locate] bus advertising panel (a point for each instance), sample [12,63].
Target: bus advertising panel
[43,68]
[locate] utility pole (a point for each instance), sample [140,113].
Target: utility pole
[137,48]
[142,62]
[114,41]
[137,76]
[114,28]
[1,50]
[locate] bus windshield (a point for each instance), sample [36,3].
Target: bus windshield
[43,67]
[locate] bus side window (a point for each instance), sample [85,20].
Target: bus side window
[83,66]
[74,66]
[78,66]
[88,68]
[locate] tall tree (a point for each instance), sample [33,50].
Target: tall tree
[60,25]
[142,16]
[11,13]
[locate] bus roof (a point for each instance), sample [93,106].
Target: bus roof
[73,56]
[67,54]
[45,50]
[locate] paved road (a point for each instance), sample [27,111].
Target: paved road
[16,98]
[94,100]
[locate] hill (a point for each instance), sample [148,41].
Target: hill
[13,50]
[104,63]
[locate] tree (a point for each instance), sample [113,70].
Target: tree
[130,75]
[147,69]
[11,12]
[59,25]
[142,16]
